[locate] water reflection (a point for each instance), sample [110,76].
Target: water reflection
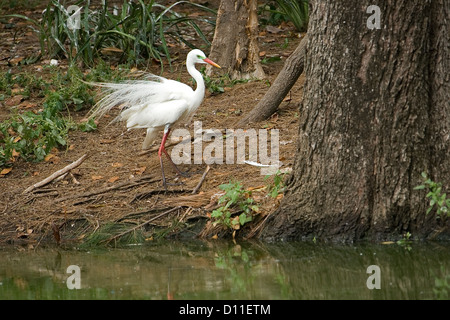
[225,270]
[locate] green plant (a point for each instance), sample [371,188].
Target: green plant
[32,136]
[267,60]
[277,11]
[239,199]
[137,31]
[276,186]
[405,241]
[88,126]
[437,198]
[296,11]
[269,15]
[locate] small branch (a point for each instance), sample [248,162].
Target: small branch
[125,184]
[201,181]
[56,174]
[141,225]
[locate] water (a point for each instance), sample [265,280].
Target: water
[227,270]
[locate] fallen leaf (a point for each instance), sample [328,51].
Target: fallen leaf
[262,53]
[15,153]
[140,170]
[48,157]
[16,61]
[94,177]
[14,101]
[51,158]
[27,105]
[215,237]
[117,165]
[256,188]
[17,90]
[113,179]
[5,171]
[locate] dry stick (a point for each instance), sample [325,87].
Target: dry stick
[142,224]
[201,180]
[56,174]
[132,183]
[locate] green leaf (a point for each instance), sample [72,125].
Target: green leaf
[244,219]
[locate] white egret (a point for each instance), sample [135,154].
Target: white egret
[156,103]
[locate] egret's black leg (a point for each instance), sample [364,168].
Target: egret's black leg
[163,149]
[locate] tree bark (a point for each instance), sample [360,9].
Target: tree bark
[292,69]
[375,114]
[235,43]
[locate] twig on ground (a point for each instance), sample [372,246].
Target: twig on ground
[124,184]
[56,174]
[197,187]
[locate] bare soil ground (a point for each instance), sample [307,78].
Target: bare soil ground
[117,182]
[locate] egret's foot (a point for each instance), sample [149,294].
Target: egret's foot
[185,174]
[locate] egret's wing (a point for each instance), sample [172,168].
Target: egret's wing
[155,115]
[139,93]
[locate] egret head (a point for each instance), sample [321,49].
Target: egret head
[197,56]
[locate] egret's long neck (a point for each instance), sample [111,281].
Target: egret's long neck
[200,90]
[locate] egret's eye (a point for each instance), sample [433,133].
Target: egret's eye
[200,57]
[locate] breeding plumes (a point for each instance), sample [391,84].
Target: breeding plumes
[156,103]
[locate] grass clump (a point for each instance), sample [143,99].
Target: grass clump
[277,11]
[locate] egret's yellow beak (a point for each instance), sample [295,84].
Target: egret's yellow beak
[211,62]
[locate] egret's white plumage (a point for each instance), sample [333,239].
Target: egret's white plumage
[155,103]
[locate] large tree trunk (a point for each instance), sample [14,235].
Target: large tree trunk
[288,76]
[235,44]
[375,114]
